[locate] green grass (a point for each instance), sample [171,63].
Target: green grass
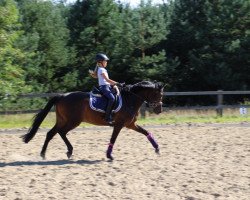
[192,116]
[174,117]
[23,121]
[194,119]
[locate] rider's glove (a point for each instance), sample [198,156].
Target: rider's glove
[120,84]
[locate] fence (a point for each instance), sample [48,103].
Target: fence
[220,96]
[219,107]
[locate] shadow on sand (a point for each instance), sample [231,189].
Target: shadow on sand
[45,163]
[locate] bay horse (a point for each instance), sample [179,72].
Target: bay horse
[73,108]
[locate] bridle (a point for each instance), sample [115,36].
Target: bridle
[152,104]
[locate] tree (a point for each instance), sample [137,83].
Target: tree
[186,28]
[149,29]
[222,60]
[206,37]
[94,27]
[46,37]
[11,74]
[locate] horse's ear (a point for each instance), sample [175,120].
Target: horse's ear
[159,85]
[162,86]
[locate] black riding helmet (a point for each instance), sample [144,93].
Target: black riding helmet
[101,57]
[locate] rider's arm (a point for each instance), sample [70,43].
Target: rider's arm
[108,80]
[117,90]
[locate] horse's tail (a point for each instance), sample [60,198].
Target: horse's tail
[38,119]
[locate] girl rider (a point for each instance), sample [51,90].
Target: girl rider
[105,83]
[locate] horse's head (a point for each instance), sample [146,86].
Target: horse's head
[154,97]
[152,93]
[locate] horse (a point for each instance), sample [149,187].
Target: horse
[73,108]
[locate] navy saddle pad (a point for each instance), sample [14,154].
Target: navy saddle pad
[98,102]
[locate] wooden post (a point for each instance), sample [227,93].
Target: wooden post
[219,109]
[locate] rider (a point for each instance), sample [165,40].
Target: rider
[104,83]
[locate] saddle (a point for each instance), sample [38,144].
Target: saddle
[98,102]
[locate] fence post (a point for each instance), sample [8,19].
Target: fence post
[219,109]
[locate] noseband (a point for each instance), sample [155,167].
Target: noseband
[154,104]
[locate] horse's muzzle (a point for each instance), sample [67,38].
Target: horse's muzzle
[157,107]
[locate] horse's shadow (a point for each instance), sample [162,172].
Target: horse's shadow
[46,163]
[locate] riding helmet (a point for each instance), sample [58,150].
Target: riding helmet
[101,57]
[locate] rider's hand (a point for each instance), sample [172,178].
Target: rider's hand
[120,84]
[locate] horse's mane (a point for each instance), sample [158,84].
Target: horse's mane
[143,84]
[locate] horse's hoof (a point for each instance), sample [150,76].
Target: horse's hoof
[69,154]
[110,157]
[157,151]
[71,157]
[43,156]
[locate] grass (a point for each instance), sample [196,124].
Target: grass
[170,117]
[23,121]
[191,116]
[194,119]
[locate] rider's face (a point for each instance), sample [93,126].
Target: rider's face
[104,63]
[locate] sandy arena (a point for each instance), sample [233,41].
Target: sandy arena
[197,162]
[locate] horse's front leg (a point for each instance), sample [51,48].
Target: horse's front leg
[147,134]
[115,133]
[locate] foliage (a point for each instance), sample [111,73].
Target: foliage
[48,46]
[94,25]
[46,37]
[210,40]
[11,73]
[148,31]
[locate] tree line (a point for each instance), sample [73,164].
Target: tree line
[190,45]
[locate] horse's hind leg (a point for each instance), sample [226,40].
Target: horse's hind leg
[49,136]
[66,141]
[63,132]
[64,129]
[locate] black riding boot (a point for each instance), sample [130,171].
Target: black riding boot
[108,114]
